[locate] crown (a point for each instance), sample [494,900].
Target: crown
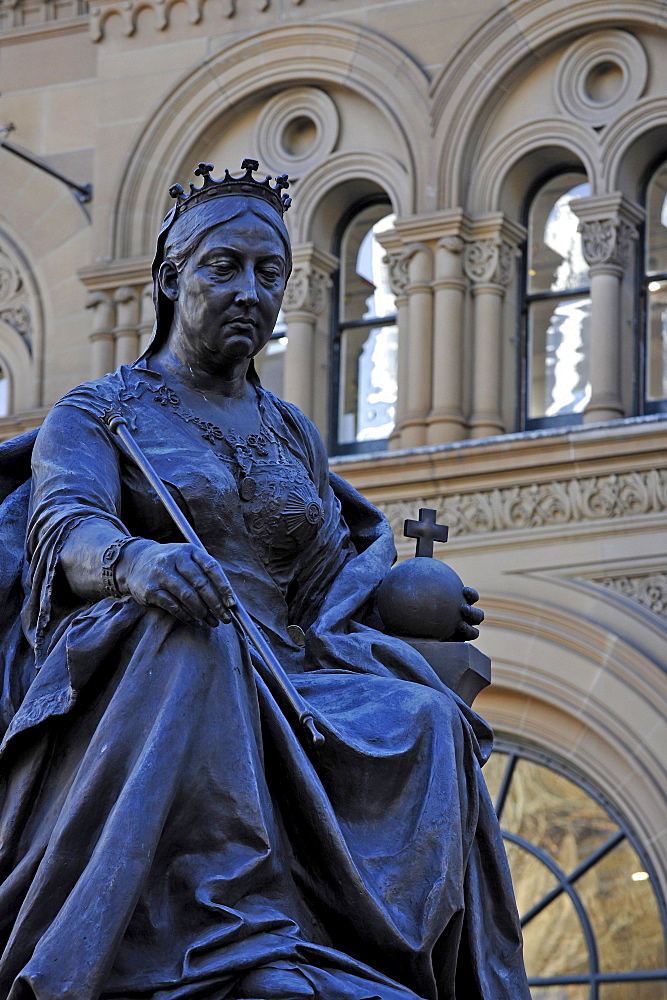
[228,185]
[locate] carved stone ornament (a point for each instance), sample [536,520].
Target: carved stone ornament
[489,261]
[648,590]
[607,241]
[307,289]
[128,10]
[15,305]
[541,506]
[397,262]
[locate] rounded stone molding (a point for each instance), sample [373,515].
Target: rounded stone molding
[296,130]
[601,76]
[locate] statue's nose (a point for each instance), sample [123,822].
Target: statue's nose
[247,290]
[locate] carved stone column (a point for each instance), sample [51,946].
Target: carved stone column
[420,361]
[101,339]
[397,263]
[146,317]
[306,297]
[127,320]
[446,421]
[489,264]
[608,230]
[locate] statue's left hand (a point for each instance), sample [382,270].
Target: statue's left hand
[470,617]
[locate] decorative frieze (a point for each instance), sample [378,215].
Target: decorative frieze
[544,505]
[30,16]
[647,590]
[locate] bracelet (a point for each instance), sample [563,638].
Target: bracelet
[109,560]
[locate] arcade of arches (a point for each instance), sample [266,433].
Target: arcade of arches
[476,321]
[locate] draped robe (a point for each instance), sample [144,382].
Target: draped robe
[165,830]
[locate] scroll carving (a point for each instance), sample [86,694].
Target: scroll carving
[608,241]
[489,261]
[648,590]
[307,289]
[541,505]
[397,262]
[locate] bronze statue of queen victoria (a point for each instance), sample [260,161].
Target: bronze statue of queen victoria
[168,830]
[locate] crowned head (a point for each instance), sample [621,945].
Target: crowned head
[212,204]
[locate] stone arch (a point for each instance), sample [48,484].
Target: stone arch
[632,144]
[21,326]
[381,172]
[321,53]
[527,144]
[564,682]
[470,85]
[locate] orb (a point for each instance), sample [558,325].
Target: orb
[421,598]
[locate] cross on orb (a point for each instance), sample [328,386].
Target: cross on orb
[426,531]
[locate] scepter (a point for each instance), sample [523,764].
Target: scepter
[273,673]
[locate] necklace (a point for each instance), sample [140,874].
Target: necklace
[245,449]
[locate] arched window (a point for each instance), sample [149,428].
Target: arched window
[655,285]
[4,392]
[365,336]
[592,920]
[556,382]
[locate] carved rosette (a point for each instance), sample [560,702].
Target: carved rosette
[397,262]
[489,261]
[541,505]
[608,241]
[15,304]
[307,291]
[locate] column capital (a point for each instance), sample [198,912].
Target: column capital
[489,263]
[307,290]
[608,226]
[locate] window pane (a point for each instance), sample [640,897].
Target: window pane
[554,943]
[4,394]
[270,362]
[656,346]
[493,772]
[368,385]
[632,991]
[623,911]
[365,290]
[560,992]
[555,258]
[558,338]
[531,879]
[555,814]
[656,211]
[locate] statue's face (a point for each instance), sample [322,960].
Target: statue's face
[228,293]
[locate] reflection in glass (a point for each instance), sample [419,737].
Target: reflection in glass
[555,814]
[493,772]
[558,337]
[270,362]
[367,351]
[632,991]
[4,394]
[560,992]
[558,378]
[623,912]
[554,942]
[532,879]
[656,287]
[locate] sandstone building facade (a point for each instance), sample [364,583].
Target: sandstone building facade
[477,322]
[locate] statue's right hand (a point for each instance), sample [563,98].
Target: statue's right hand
[177,577]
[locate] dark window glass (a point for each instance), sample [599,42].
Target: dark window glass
[591,917]
[557,306]
[365,337]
